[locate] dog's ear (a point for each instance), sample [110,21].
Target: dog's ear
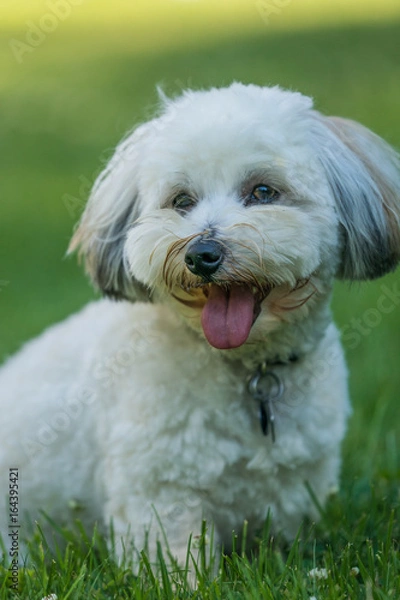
[363,172]
[112,208]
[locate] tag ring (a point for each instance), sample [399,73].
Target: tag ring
[259,394]
[265,398]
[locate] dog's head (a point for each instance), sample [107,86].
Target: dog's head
[238,206]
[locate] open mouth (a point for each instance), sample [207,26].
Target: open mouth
[228,312]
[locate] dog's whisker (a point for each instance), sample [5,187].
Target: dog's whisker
[243,225]
[156,247]
[252,250]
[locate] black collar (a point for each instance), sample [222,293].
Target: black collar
[278,361]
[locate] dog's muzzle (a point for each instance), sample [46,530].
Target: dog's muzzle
[230,309]
[204,257]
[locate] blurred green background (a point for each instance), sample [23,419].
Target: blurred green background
[76,74]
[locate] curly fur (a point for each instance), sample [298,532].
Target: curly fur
[127,408]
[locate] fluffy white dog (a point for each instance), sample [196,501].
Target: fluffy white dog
[218,390]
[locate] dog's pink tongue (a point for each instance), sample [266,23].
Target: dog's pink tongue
[228,316]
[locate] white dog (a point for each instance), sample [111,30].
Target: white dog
[218,390]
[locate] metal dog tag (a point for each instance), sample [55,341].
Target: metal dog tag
[266,387]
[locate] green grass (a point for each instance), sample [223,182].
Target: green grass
[351,554]
[63,109]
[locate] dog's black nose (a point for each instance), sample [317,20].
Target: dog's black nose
[203,257]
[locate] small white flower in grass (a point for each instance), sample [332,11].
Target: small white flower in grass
[318,574]
[354,571]
[313,598]
[198,540]
[51,597]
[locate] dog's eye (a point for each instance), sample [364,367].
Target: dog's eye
[262,194]
[183,203]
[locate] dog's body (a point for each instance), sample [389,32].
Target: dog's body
[124,439]
[233,212]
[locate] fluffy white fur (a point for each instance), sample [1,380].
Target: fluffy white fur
[125,411]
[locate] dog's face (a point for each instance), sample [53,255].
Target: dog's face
[235,223]
[238,207]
